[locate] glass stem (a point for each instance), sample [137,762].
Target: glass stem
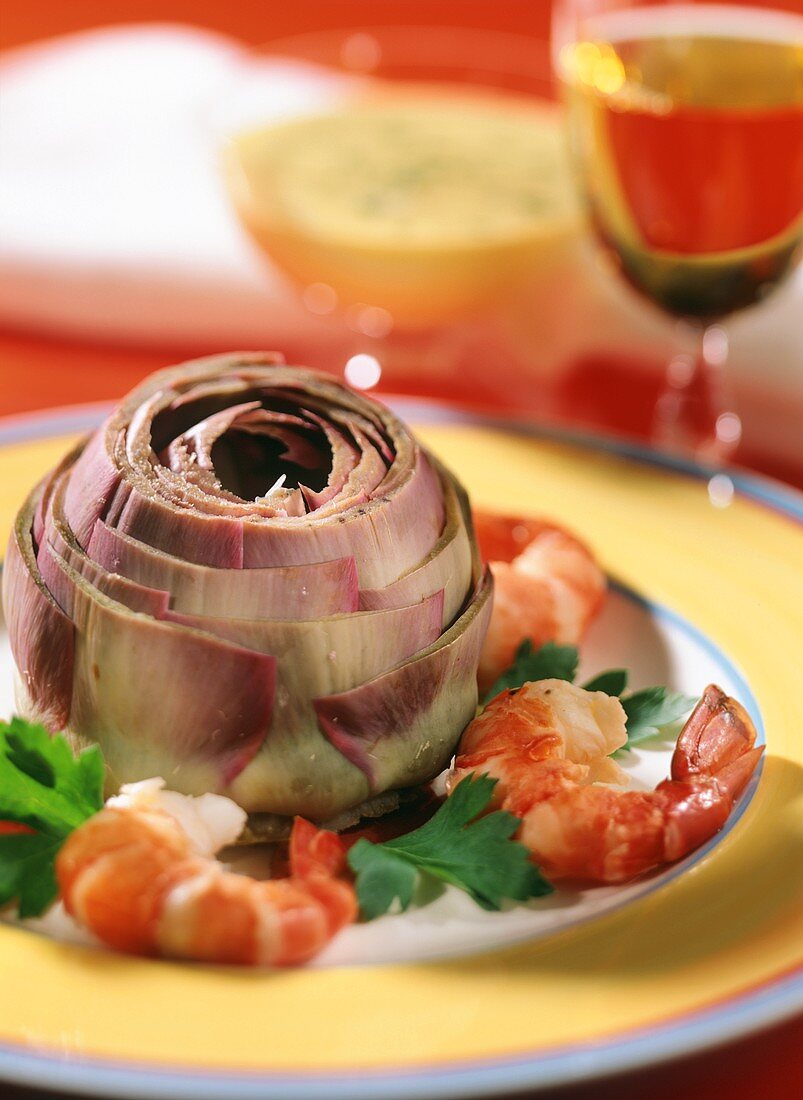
[696,414]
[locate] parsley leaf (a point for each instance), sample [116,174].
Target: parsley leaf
[45,786]
[382,877]
[26,871]
[612,682]
[476,856]
[550,662]
[650,709]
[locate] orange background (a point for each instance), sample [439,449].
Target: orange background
[36,372]
[259,20]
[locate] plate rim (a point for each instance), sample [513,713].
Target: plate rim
[758,1007]
[566,1065]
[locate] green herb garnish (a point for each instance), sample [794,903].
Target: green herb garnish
[550,662]
[456,846]
[650,710]
[613,682]
[46,787]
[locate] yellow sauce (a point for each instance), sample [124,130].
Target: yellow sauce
[425,202]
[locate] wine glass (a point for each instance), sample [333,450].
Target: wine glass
[686,129]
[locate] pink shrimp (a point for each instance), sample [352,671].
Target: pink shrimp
[548,745]
[547,587]
[133,876]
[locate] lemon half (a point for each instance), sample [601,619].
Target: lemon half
[428,203]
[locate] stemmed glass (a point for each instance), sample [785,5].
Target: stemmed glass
[686,129]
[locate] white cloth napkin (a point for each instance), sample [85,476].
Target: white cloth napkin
[114,223]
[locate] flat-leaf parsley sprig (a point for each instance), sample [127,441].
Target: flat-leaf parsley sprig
[50,791]
[550,662]
[457,846]
[651,710]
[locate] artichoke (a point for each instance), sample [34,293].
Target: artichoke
[254,581]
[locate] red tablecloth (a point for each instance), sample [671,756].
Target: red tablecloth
[36,372]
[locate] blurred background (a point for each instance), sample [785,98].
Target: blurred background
[141,220]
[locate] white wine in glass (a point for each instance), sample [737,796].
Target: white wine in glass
[686,124]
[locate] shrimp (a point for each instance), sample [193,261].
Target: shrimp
[141,875]
[547,587]
[548,746]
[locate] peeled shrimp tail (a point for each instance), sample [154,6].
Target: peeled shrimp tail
[317,858]
[718,734]
[713,762]
[315,851]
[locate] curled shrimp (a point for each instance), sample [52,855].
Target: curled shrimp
[548,746]
[141,875]
[547,587]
